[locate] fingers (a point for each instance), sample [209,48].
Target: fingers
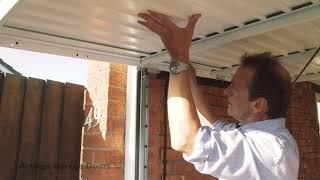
[192,22]
[160,23]
[147,25]
[162,19]
[151,23]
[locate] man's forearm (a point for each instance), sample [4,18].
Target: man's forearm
[183,119]
[202,106]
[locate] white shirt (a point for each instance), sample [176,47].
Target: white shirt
[263,150]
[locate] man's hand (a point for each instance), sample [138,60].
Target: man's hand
[177,40]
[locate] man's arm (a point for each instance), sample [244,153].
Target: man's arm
[183,119]
[205,116]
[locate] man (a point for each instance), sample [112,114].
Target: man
[259,147]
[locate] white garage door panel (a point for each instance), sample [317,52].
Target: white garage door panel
[282,41]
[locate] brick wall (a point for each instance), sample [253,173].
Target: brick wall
[103,145]
[302,122]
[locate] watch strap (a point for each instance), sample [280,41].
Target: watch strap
[184,66]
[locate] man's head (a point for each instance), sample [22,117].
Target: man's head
[260,89]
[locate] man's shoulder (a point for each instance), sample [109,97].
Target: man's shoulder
[276,144]
[281,137]
[275,149]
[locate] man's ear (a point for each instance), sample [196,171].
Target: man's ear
[260,105]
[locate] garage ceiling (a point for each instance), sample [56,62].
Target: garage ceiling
[107,30]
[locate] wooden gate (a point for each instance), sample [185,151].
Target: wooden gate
[40,129]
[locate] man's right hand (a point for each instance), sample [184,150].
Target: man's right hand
[176,40]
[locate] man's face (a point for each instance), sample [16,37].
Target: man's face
[239,106]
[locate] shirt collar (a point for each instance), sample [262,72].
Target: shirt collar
[266,125]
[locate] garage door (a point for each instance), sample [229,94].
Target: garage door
[108,30]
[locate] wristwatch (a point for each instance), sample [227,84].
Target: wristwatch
[177,66]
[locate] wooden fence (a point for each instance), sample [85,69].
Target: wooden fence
[40,129]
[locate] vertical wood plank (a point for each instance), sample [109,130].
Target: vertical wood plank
[70,139]
[30,131]
[50,128]
[10,122]
[1,83]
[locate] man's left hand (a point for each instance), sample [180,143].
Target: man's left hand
[176,40]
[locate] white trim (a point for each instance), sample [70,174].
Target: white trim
[6,6]
[144,126]
[130,136]
[57,39]
[65,49]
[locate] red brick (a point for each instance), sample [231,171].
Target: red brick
[119,67]
[173,155]
[112,140]
[115,124]
[117,94]
[155,141]
[116,109]
[221,101]
[118,79]
[154,169]
[197,175]
[218,91]
[156,117]
[114,173]
[87,156]
[94,177]
[109,156]
[169,142]
[181,166]
[154,154]
[176,177]
[156,95]
[155,129]
[212,100]
[156,83]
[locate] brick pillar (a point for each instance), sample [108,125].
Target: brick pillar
[103,145]
[303,123]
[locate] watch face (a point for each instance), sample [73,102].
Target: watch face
[174,67]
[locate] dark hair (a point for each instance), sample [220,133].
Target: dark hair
[270,81]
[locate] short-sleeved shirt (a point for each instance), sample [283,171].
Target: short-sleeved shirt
[262,150]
